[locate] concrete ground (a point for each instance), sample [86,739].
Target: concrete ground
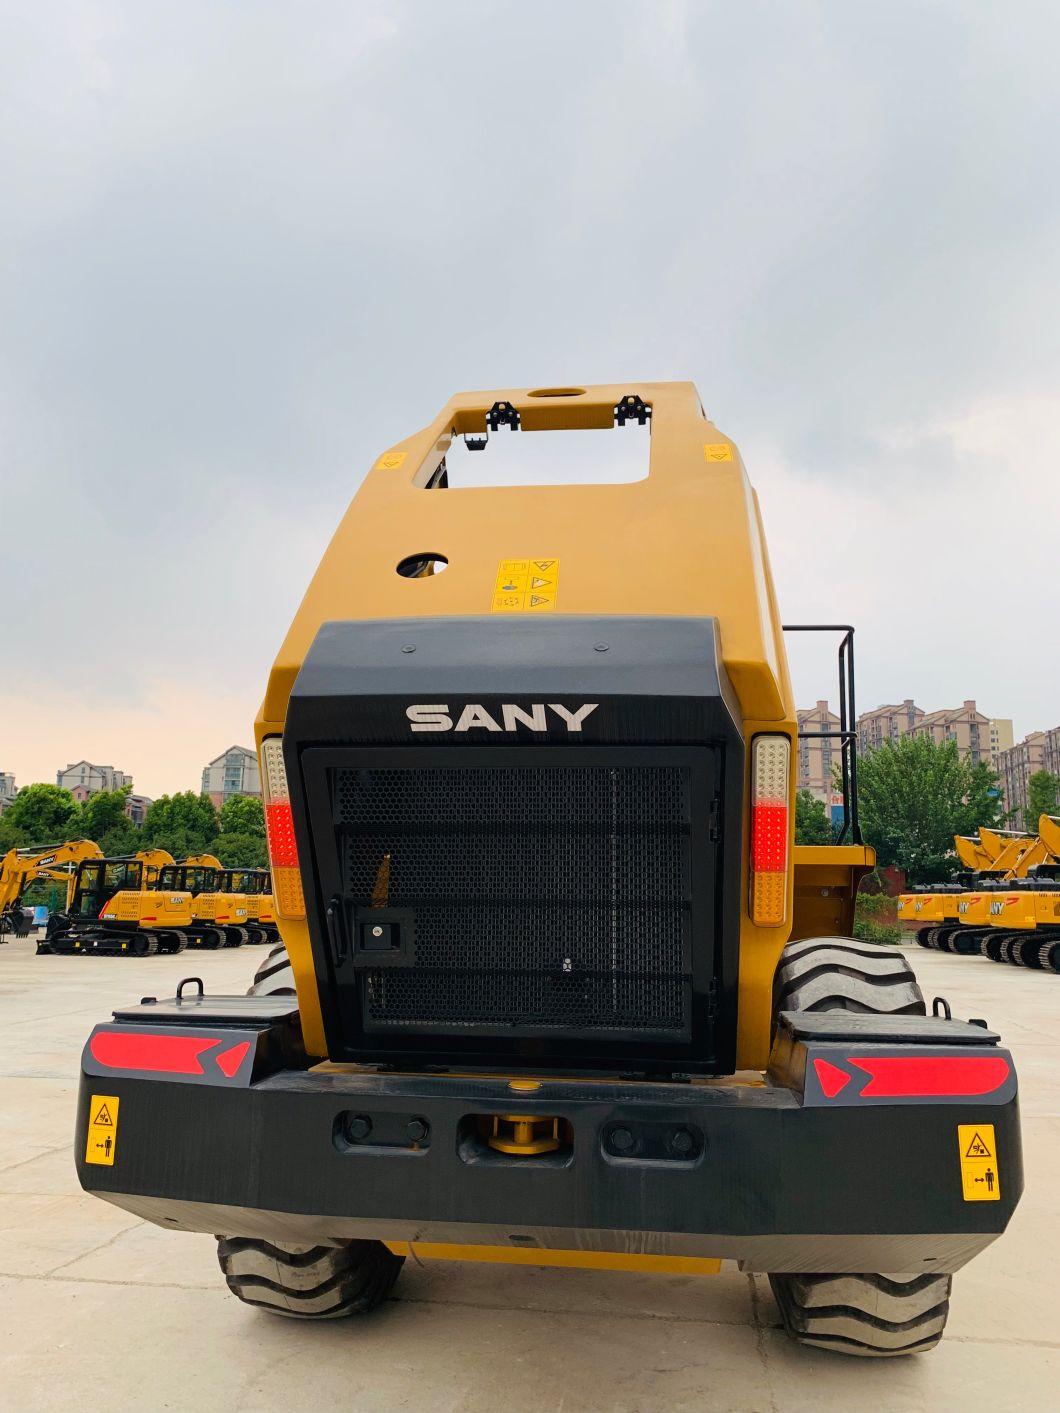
[101,1310]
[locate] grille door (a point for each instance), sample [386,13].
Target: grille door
[549,894]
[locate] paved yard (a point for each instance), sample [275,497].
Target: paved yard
[101,1311]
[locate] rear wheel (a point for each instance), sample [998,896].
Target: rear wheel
[274,976]
[309,1282]
[839,974]
[870,1313]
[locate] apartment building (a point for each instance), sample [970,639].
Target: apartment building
[1038,751]
[7,789]
[887,723]
[978,737]
[234,772]
[136,807]
[82,779]
[964,724]
[816,756]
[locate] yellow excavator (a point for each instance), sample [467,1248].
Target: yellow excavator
[120,907]
[255,887]
[218,917]
[1025,915]
[557,986]
[20,868]
[980,913]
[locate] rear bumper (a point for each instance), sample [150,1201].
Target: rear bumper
[781,1177]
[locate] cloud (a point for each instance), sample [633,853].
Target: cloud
[248,247]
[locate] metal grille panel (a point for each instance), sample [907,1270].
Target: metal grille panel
[552,899]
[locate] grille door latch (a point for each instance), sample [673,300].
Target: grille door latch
[384,937]
[340,942]
[715,819]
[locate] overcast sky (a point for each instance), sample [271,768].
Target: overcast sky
[245,247]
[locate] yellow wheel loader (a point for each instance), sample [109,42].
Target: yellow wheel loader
[556,986]
[118,907]
[20,868]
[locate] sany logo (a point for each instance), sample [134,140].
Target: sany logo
[474,717]
[995,909]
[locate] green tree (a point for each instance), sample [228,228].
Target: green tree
[184,824]
[914,796]
[242,814]
[1043,797]
[103,819]
[241,841]
[240,850]
[43,814]
[812,824]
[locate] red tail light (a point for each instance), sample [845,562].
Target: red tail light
[770,824]
[279,831]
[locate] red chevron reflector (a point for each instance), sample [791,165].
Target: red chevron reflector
[160,1054]
[228,1061]
[925,1076]
[830,1077]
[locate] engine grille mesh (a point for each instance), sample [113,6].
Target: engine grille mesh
[545,899]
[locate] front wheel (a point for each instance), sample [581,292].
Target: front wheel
[309,1282]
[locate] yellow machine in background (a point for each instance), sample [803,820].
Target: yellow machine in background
[20,868]
[119,907]
[219,917]
[1006,906]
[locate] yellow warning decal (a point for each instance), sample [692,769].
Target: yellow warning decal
[526,585]
[718,451]
[102,1129]
[980,1180]
[391,460]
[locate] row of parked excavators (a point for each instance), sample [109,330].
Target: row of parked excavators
[136,905]
[1005,904]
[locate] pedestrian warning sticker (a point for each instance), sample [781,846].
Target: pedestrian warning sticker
[102,1129]
[526,586]
[980,1181]
[718,451]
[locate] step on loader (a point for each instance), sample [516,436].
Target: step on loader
[556,986]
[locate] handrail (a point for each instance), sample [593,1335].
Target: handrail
[847,734]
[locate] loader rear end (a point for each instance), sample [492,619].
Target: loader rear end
[556,985]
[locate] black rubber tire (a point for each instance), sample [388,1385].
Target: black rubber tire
[274,976]
[840,974]
[877,1316]
[309,1282]
[866,1314]
[991,946]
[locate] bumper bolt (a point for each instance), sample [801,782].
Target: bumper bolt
[359,1126]
[622,1139]
[417,1129]
[682,1143]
